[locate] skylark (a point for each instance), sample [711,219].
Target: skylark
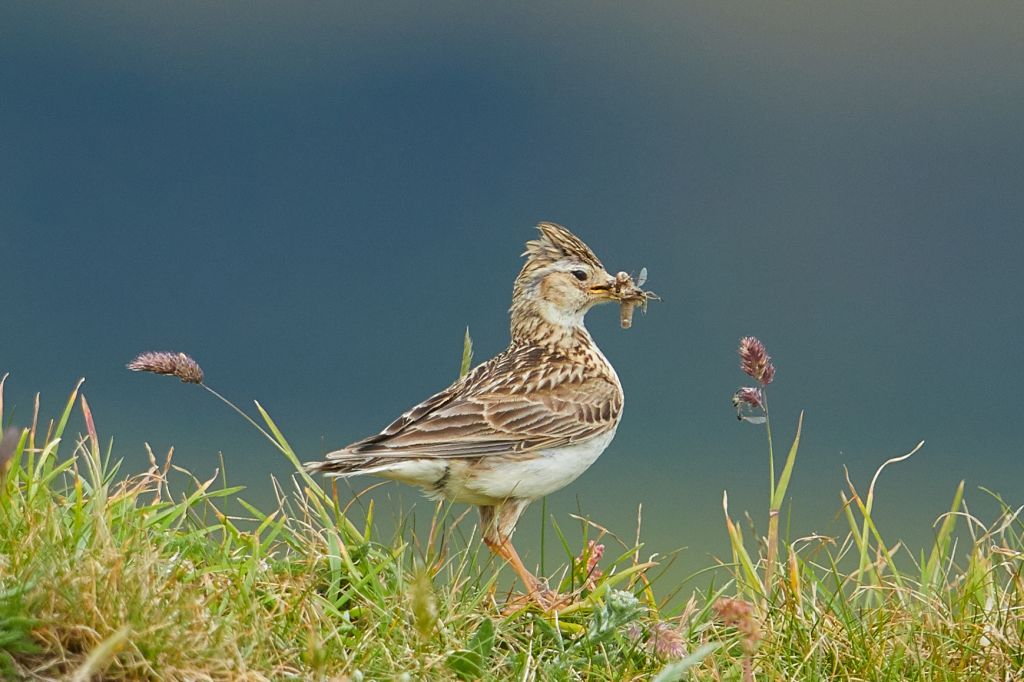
[523,424]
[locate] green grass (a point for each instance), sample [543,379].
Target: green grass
[105,575]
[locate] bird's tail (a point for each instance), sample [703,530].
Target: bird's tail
[342,465]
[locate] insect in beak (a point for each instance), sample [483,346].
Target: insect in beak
[629,295]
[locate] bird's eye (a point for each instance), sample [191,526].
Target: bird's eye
[579,274]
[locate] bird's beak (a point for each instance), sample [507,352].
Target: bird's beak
[606,290]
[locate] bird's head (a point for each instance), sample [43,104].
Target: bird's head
[560,281]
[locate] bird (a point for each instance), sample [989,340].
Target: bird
[523,424]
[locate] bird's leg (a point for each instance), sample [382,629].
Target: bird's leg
[506,551]
[498,522]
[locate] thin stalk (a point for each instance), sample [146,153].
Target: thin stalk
[771,453]
[247,418]
[773,509]
[773,550]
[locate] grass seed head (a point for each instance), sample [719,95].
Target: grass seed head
[423,602]
[174,364]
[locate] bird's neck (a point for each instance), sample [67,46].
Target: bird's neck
[538,323]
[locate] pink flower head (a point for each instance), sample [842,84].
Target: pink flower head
[740,615]
[593,553]
[755,361]
[748,395]
[666,642]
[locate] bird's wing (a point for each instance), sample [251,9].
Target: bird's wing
[487,414]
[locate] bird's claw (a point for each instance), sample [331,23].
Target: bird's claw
[540,596]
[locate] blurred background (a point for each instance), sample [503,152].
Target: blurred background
[315,201]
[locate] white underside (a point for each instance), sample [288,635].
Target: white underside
[491,480]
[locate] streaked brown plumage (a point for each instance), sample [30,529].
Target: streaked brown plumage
[523,424]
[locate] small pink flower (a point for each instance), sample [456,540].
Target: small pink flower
[755,361]
[748,395]
[593,554]
[666,642]
[596,552]
[740,615]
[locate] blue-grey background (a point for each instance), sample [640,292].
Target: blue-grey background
[315,200]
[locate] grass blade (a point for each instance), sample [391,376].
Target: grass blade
[780,490]
[929,578]
[467,354]
[100,656]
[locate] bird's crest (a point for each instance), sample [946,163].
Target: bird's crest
[556,243]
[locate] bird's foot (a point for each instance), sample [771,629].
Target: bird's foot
[541,596]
